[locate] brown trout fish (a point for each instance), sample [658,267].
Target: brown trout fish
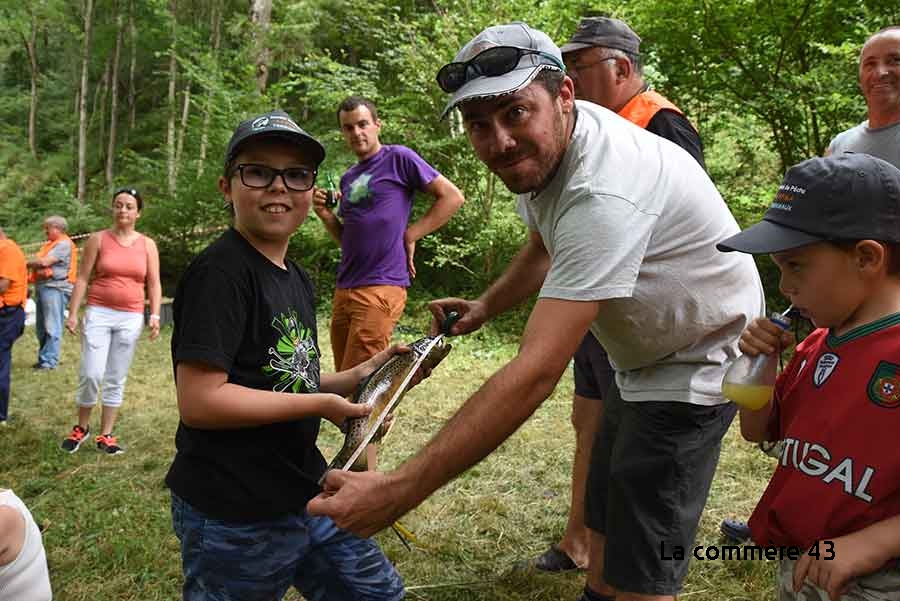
[379,388]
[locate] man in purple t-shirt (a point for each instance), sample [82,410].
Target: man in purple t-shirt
[377,241]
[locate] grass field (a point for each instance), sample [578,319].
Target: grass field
[106,519]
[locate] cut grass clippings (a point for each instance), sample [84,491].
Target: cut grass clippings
[106,519]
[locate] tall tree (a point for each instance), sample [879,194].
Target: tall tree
[114,99]
[132,34]
[260,18]
[88,9]
[173,73]
[215,25]
[31,48]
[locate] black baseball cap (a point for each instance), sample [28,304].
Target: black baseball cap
[603,31]
[275,124]
[850,196]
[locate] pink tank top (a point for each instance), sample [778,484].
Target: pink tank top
[119,275]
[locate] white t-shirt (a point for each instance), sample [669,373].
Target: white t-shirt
[26,577]
[632,219]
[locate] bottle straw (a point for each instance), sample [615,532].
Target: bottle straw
[786,311]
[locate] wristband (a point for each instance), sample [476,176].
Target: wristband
[154,316]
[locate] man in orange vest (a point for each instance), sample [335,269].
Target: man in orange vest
[13,290]
[53,271]
[603,59]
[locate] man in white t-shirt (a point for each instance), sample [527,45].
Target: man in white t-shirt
[623,227]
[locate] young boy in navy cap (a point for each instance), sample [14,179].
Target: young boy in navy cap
[250,395]
[833,231]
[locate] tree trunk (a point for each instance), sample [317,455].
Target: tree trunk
[215,27]
[170,130]
[260,17]
[114,102]
[98,109]
[132,33]
[182,131]
[82,102]
[31,48]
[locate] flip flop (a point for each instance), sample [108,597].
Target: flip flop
[553,559]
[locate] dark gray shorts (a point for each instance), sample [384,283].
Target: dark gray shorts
[651,467]
[593,373]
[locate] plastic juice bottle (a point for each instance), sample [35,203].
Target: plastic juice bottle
[750,381]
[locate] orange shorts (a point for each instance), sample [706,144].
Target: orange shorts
[362,321]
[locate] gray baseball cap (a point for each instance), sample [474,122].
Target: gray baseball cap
[516,35]
[603,31]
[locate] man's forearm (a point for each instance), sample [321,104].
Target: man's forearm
[505,401]
[333,225]
[488,418]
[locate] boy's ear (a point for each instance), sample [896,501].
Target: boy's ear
[871,255]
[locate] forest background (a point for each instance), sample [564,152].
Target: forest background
[102,93]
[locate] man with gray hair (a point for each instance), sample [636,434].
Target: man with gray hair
[623,227]
[603,59]
[54,270]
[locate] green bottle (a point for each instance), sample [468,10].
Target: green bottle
[330,197]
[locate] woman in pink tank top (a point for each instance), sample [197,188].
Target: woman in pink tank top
[120,266]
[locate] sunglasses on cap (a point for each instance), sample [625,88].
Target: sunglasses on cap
[492,62]
[130,191]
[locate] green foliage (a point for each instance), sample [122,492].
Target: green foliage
[791,65]
[767,85]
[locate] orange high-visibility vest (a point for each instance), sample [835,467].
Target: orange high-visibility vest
[642,108]
[45,273]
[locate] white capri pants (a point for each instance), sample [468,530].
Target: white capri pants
[108,340]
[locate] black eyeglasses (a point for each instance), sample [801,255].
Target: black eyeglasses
[495,61]
[298,179]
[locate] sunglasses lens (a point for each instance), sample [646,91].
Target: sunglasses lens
[452,77]
[492,62]
[497,61]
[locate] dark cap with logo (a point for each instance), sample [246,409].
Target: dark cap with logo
[850,196]
[603,31]
[273,124]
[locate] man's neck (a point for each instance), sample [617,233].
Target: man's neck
[369,154]
[884,118]
[633,89]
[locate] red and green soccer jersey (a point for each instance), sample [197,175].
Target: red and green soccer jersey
[838,412]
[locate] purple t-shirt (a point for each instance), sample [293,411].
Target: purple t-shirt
[377,196]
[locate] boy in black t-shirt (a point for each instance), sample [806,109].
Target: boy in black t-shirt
[250,396]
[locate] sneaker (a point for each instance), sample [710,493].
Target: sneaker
[109,444]
[71,443]
[735,530]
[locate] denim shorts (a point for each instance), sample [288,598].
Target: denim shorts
[259,561]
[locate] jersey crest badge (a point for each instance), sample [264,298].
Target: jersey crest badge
[824,368]
[884,385]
